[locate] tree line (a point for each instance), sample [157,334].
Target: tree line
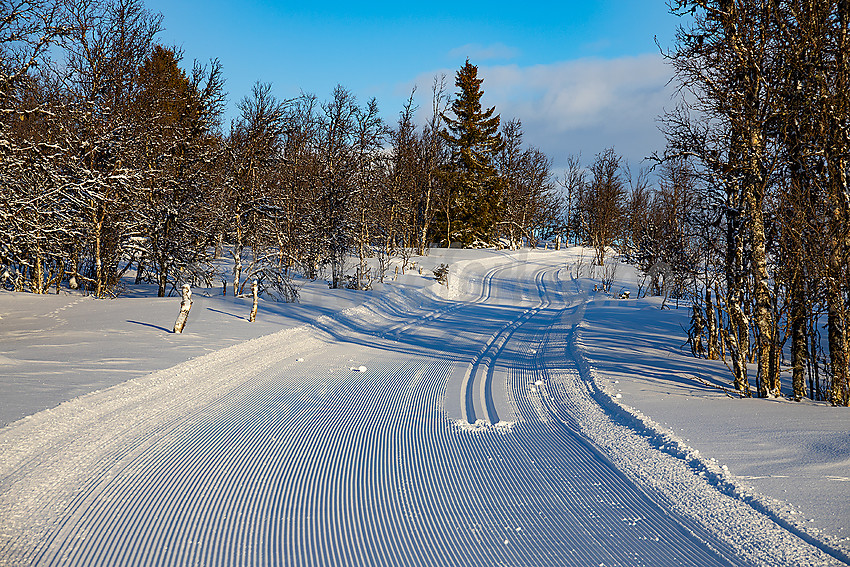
[748,214]
[114,158]
[760,144]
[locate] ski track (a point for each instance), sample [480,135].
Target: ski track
[251,456]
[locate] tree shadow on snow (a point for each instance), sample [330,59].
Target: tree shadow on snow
[226,313]
[150,325]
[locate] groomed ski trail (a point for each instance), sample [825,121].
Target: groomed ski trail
[460,433]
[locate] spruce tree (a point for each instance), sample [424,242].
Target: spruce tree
[472,186]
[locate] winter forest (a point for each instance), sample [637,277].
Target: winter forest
[116,162]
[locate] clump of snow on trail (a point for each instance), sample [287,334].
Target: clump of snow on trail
[482,425]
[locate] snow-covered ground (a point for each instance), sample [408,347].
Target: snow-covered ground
[511,417]
[795,455]
[790,460]
[57,347]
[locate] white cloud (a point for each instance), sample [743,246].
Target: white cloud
[581,106]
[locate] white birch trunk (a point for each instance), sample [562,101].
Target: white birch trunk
[255,288]
[185,306]
[237,272]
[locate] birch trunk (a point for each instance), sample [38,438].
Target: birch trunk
[426,215]
[255,294]
[769,385]
[799,351]
[839,212]
[60,275]
[361,249]
[738,336]
[237,272]
[72,281]
[840,387]
[140,271]
[219,245]
[162,279]
[98,261]
[185,306]
[237,257]
[711,323]
[37,277]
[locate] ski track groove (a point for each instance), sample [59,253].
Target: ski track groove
[322,465]
[490,351]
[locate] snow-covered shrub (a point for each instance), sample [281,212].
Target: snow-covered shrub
[441,274]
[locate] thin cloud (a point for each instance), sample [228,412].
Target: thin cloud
[478,52]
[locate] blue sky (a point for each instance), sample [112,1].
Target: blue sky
[581,76]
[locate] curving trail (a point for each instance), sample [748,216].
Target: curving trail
[456,446]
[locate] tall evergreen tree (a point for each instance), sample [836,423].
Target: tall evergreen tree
[472,185]
[176,120]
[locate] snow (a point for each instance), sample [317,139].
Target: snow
[511,416]
[57,347]
[786,456]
